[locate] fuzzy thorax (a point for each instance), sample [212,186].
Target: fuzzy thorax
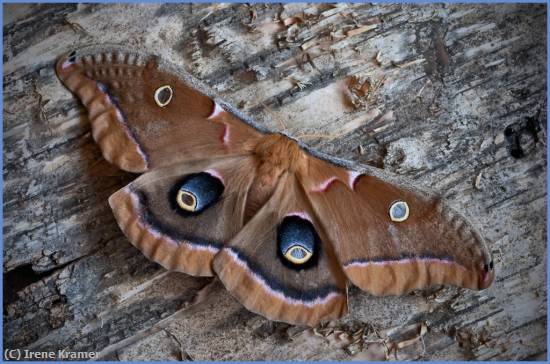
[277,154]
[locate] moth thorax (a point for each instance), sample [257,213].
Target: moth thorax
[275,154]
[279,153]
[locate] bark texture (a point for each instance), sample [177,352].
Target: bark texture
[452,96]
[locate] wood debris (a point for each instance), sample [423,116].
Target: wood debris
[362,90]
[378,58]
[477,182]
[422,330]
[337,9]
[358,89]
[311,12]
[77,28]
[251,25]
[408,63]
[300,84]
[403,337]
[338,34]
[499,139]
[292,20]
[364,28]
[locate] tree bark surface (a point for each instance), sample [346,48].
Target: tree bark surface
[450,96]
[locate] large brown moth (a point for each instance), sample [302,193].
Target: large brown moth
[282,226]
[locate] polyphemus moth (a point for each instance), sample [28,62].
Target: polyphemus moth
[282,226]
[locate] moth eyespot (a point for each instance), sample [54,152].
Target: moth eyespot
[163,95]
[186,200]
[297,242]
[399,211]
[298,254]
[196,192]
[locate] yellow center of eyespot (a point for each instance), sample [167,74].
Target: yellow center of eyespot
[298,255]
[163,95]
[399,211]
[186,200]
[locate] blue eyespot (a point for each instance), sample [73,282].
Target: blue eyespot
[399,211]
[197,192]
[297,241]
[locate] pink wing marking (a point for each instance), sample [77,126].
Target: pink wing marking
[323,186]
